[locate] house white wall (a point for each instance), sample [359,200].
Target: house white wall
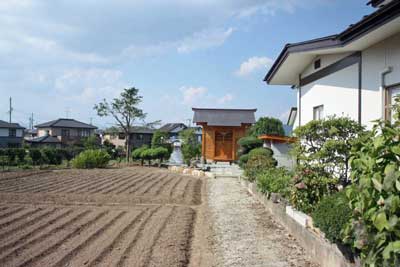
[375,60]
[338,92]
[4,132]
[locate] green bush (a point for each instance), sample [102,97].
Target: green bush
[331,216]
[20,153]
[243,160]
[310,186]
[52,156]
[248,143]
[275,180]
[36,156]
[374,229]
[267,125]
[90,159]
[191,148]
[137,153]
[261,151]
[160,153]
[257,163]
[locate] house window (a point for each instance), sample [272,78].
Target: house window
[84,132]
[317,64]
[12,132]
[121,136]
[318,112]
[65,132]
[391,95]
[139,137]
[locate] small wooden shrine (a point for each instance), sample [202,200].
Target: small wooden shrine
[222,128]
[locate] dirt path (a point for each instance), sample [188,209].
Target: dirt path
[244,233]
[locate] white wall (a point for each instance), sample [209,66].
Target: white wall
[374,60]
[338,93]
[4,132]
[326,60]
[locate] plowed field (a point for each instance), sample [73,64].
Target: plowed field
[121,217]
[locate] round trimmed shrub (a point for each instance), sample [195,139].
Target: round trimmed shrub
[331,216]
[248,143]
[90,159]
[267,152]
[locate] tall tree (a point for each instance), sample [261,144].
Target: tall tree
[125,111]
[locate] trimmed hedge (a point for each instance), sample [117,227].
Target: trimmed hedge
[331,216]
[275,180]
[90,159]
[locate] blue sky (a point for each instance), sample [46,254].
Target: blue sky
[67,55]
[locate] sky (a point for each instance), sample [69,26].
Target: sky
[61,57]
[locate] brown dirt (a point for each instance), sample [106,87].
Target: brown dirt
[119,217]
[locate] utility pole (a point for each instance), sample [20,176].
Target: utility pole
[31,122]
[11,109]
[67,112]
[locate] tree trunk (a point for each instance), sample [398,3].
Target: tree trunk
[128,147]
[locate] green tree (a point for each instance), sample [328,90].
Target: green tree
[159,139]
[190,147]
[267,125]
[125,111]
[325,145]
[91,142]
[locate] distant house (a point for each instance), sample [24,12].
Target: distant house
[222,128]
[173,129]
[355,73]
[47,140]
[11,135]
[66,131]
[29,134]
[139,136]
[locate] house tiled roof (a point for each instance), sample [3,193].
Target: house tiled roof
[171,126]
[4,124]
[134,129]
[47,139]
[65,123]
[224,117]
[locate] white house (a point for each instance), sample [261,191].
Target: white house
[355,73]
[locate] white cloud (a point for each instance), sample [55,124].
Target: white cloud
[204,39]
[192,95]
[225,99]
[253,64]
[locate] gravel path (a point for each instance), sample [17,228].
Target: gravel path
[244,233]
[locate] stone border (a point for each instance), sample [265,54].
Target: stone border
[190,171]
[298,224]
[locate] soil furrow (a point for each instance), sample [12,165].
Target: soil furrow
[82,184]
[149,252]
[55,182]
[137,236]
[29,222]
[60,184]
[10,213]
[174,186]
[163,185]
[147,185]
[151,185]
[84,188]
[83,253]
[118,186]
[99,187]
[20,217]
[141,183]
[134,184]
[18,247]
[49,246]
[90,236]
[117,242]
[31,183]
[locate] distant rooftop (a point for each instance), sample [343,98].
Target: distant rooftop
[65,123]
[224,117]
[171,126]
[4,124]
[47,139]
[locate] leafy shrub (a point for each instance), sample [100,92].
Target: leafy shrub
[310,186]
[36,156]
[90,159]
[267,152]
[267,125]
[11,154]
[326,144]
[243,160]
[374,229]
[160,153]
[137,153]
[190,147]
[257,163]
[331,216]
[147,154]
[248,143]
[275,180]
[52,156]
[20,154]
